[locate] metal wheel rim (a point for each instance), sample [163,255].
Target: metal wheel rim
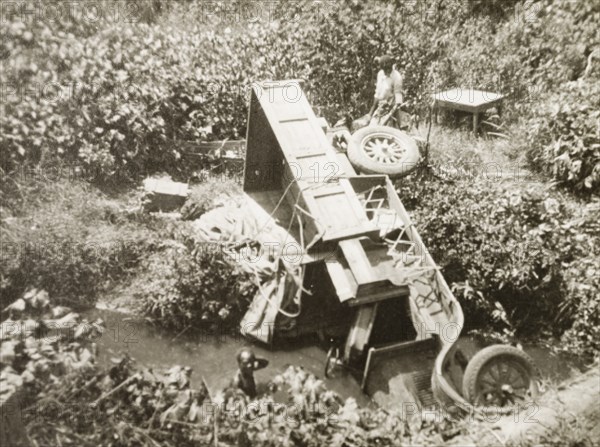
[503,381]
[383,148]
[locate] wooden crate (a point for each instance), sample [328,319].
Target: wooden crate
[164,195]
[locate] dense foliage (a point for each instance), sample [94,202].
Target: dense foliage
[114,99]
[122,101]
[193,287]
[117,97]
[120,95]
[562,139]
[513,254]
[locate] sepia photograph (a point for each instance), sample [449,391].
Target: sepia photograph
[299,223]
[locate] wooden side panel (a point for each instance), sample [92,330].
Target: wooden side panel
[337,213]
[310,167]
[264,159]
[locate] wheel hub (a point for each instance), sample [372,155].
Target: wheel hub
[503,382]
[507,389]
[384,148]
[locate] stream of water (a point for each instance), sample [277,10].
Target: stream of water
[212,356]
[209,355]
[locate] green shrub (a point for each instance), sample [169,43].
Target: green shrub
[581,306]
[562,138]
[122,95]
[118,98]
[487,246]
[120,101]
[194,286]
[517,257]
[131,92]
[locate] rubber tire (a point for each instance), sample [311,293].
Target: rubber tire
[482,357]
[366,165]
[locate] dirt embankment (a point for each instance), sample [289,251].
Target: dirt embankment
[572,406]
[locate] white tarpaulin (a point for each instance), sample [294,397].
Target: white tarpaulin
[257,248]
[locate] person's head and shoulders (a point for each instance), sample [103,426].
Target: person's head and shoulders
[387,68]
[247,364]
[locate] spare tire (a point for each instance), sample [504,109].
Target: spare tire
[499,376]
[383,150]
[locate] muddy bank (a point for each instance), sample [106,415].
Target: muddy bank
[574,399]
[570,406]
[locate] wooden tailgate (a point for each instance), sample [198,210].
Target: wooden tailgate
[311,171]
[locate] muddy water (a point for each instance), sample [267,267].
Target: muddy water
[210,356]
[213,356]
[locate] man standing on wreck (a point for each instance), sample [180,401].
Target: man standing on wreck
[388,93]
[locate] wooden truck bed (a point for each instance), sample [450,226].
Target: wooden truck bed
[356,228]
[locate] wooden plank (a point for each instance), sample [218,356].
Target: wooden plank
[166,187]
[309,167]
[164,195]
[344,288]
[360,332]
[336,210]
[377,291]
[299,137]
[357,207]
[357,260]
[343,166]
[359,289]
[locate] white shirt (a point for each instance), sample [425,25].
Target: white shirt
[389,86]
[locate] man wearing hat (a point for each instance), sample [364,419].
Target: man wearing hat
[388,93]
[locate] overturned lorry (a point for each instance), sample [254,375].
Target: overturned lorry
[344,261]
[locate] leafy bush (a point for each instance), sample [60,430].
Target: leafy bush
[513,254]
[127,404]
[562,138]
[581,306]
[119,98]
[194,286]
[489,249]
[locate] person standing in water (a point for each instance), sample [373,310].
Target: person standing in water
[244,377]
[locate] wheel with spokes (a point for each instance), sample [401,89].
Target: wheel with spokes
[500,376]
[383,150]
